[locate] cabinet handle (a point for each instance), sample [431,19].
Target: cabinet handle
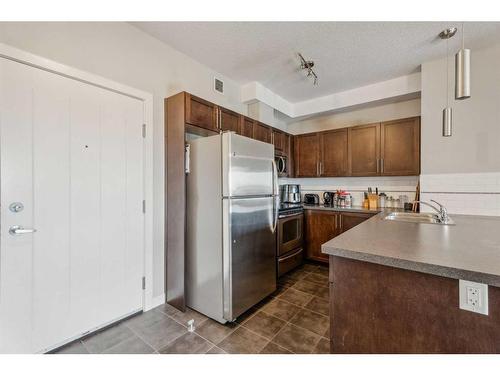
[320,168]
[317,168]
[381,165]
[220,119]
[378,161]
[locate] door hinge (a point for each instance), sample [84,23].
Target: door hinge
[143,130]
[143,283]
[143,206]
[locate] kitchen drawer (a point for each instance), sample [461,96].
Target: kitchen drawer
[289,261]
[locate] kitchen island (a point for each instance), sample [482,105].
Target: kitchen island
[394,286]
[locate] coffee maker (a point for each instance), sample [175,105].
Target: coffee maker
[290,193]
[328,198]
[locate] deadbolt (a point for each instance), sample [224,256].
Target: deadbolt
[16,207]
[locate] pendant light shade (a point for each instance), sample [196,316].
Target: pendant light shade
[462,74]
[447,122]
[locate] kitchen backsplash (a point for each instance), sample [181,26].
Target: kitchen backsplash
[468,193]
[392,186]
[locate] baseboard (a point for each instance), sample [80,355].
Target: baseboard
[156,301]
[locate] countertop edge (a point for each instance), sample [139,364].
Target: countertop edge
[409,265]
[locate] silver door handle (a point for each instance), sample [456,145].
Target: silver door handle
[17,229]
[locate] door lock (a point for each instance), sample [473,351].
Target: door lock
[16,207]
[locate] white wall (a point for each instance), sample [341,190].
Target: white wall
[386,112]
[123,53]
[463,171]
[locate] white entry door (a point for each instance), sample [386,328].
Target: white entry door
[71,169]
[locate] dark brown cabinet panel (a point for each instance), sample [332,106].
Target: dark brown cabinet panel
[333,153]
[246,127]
[400,147]
[364,150]
[200,112]
[306,155]
[229,120]
[262,132]
[279,140]
[351,219]
[320,227]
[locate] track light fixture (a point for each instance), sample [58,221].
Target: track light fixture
[308,66]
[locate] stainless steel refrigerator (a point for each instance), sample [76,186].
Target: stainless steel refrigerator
[232,213]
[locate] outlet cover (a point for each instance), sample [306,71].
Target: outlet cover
[473,296]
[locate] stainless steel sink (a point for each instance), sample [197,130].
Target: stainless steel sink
[412,217]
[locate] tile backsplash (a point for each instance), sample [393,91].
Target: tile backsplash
[392,186]
[464,193]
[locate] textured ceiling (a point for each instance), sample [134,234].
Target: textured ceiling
[347,54]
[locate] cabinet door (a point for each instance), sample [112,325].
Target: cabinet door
[306,155]
[349,220]
[201,113]
[320,227]
[229,120]
[400,147]
[333,154]
[364,150]
[246,127]
[262,132]
[278,140]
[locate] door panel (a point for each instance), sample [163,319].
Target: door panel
[229,120]
[72,154]
[334,156]
[400,147]
[320,227]
[201,113]
[307,155]
[364,150]
[261,132]
[253,253]
[246,127]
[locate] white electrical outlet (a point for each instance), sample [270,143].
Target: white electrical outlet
[473,296]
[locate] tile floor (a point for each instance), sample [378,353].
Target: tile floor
[293,320]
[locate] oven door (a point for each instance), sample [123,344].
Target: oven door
[290,233]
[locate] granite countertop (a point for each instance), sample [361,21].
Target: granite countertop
[341,209]
[469,250]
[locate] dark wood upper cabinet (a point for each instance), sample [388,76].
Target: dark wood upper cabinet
[400,147]
[364,150]
[279,140]
[262,132]
[228,120]
[333,153]
[246,126]
[320,227]
[306,150]
[200,112]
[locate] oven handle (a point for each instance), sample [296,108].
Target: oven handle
[290,256]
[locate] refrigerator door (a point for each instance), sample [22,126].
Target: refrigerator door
[249,253]
[247,167]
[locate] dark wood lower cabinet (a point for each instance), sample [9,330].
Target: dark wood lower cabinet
[351,219]
[323,225]
[320,227]
[381,309]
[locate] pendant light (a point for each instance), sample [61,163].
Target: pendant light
[447,112]
[462,71]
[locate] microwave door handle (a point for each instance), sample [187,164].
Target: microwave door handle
[275,196]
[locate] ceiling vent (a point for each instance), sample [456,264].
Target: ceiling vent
[219,85]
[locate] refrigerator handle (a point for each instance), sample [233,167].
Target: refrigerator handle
[275,196]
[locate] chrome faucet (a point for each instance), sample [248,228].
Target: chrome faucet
[442,211]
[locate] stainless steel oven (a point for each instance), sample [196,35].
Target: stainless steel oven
[290,240]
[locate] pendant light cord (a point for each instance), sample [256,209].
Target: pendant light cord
[447,75]
[463,35]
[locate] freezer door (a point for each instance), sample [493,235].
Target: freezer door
[247,166]
[249,255]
